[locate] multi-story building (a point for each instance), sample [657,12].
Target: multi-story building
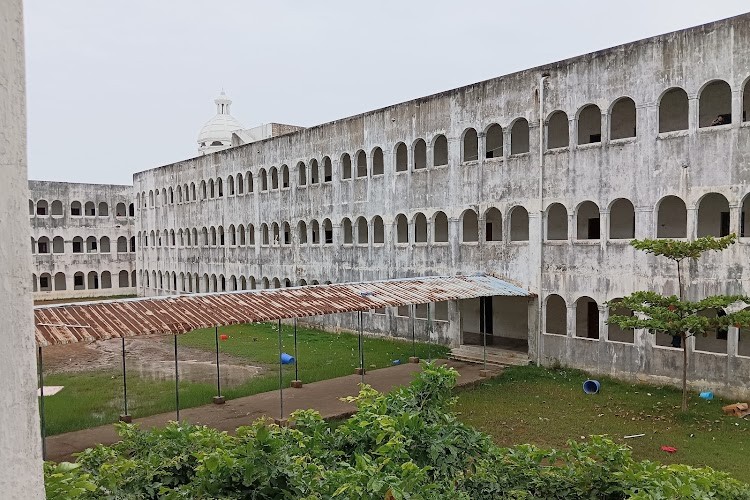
[82,240]
[541,176]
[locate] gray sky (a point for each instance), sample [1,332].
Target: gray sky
[116,87]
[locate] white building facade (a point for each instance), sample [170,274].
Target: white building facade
[541,177]
[82,240]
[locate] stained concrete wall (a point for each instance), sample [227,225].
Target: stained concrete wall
[69,227]
[642,169]
[20,442]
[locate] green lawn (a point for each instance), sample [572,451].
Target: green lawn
[95,398]
[548,407]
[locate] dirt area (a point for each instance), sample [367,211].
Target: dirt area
[151,358]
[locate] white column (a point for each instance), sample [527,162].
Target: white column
[20,440]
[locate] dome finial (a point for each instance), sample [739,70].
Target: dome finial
[216,134]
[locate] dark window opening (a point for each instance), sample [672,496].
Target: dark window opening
[593,229]
[592,319]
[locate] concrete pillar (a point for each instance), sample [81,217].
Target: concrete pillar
[733,338]
[20,438]
[692,223]
[693,112]
[645,222]
[454,323]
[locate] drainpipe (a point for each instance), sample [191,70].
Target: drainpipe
[540,276]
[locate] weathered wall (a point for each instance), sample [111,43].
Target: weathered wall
[20,441]
[61,266]
[642,170]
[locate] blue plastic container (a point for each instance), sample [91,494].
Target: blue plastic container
[591,386]
[396,362]
[286,359]
[707,395]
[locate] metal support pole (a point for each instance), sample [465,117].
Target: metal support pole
[361,348]
[41,404]
[412,323]
[429,331]
[176,381]
[483,372]
[218,399]
[296,354]
[125,417]
[281,381]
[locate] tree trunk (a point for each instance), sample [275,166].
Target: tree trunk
[683,337]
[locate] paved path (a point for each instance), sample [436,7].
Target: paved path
[322,396]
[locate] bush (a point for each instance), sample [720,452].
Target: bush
[403,445]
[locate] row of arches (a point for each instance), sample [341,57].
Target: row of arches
[195,283]
[92,280]
[43,208]
[92,244]
[620,120]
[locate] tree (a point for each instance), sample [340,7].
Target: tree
[673,314]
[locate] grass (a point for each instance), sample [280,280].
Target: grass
[95,398]
[547,408]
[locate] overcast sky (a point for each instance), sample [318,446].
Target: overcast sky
[116,87]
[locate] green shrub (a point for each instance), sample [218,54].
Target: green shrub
[403,445]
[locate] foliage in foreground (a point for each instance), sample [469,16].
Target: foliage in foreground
[403,445]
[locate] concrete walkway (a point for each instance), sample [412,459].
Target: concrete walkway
[323,396]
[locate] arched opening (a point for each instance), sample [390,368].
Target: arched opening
[90,209]
[104,244]
[493,225]
[122,279]
[57,208]
[243,283]
[622,121]
[274,174]
[346,166]
[60,283]
[362,236]
[558,135]
[588,222]
[671,218]
[361,164]
[494,141]
[241,235]
[171,197]
[42,208]
[557,222]
[314,173]
[519,137]
[230,186]
[232,283]
[327,170]
[614,332]
[284,176]
[302,232]
[219,187]
[346,229]
[263,180]
[402,229]
[213,236]
[120,210]
[58,244]
[555,315]
[673,110]
[43,245]
[91,244]
[469,226]
[315,232]
[232,235]
[587,318]
[214,283]
[715,104]
[276,283]
[249,181]
[240,184]
[92,282]
[132,243]
[420,154]
[78,244]
[328,232]
[211,188]
[420,228]
[713,216]
[378,230]
[746,102]
[590,124]
[106,279]
[79,281]
[302,174]
[75,208]
[440,227]
[264,234]
[745,217]
[377,162]
[470,145]
[440,151]
[31,207]
[519,224]
[621,220]
[402,159]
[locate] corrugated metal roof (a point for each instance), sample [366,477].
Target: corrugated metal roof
[173,314]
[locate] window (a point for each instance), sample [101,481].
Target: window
[746,102]
[673,110]
[263,180]
[470,145]
[301,174]
[45,283]
[587,318]
[91,244]
[57,208]
[42,208]
[556,321]
[622,119]
[346,228]
[621,219]
[519,137]
[346,166]
[493,225]
[440,151]
[402,229]
[557,222]
[494,142]
[284,176]
[314,174]
[328,231]
[715,104]
[519,224]
[614,332]
[588,221]
[240,184]
[589,125]
[104,244]
[287,233]
[274,178]
[327,170]
[78,281]
[671,218]
[120,210]
[361,164]
[75,209]
[58,245]
[713,216]
[60,283]
[420,154]
[106,279]
[362,230]
[378,230]
[402,164]
[77,244]
[469,226]
[90,209]
[558,134]
[43,245]
[420,228]
[440,221]
[377,162]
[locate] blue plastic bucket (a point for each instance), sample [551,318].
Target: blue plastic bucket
[707,395]
[396,362]
[286,359]
[591,386]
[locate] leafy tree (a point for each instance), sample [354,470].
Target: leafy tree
[674,315]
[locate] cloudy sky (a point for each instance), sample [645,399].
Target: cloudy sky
[116,87]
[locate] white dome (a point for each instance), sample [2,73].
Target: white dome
[217,132]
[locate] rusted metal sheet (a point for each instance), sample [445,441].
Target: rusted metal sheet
[175,314]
